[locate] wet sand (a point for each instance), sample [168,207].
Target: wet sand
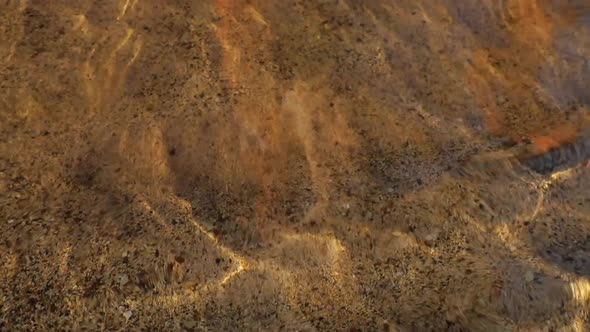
[294,165]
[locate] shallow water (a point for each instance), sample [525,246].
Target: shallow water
[296,165]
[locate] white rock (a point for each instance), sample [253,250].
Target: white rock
[127,314]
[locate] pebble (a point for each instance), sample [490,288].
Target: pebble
[529,276]
[431,238]
[10,221]
[127,314]
[123,280]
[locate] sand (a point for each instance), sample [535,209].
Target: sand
[293,165]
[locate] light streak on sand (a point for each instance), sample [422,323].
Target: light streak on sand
[580,290]
[232,274]
[256,15]
[240,261]
[331,251]
[563,175]
[103,80]
[136,50]
[122,43]
[129,4]
[555,178]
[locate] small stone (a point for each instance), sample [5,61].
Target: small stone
[431,238]
[127,314]
[123,280]
[10,221]
[529,276]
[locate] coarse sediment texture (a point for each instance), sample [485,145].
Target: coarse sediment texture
[297,165]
